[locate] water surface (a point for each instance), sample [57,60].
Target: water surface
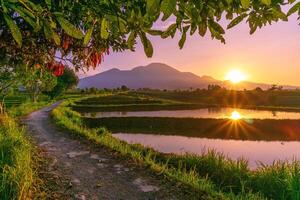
[255,135]
[215,113]
[253,151]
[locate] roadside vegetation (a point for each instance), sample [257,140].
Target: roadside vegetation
[17,162]
[18,156]
[16,170]
[211,173]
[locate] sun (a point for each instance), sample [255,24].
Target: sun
[235,115]
[235,76]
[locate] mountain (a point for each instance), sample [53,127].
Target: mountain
[157,76]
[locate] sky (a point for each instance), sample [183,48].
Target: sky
[270,55]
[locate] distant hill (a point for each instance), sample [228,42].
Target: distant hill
[158,76]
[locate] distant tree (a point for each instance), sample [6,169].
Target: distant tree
[124,88]
[275,87]
[93,90]
[258,89]
[214,87]
[9,79]
[38,81]
[66,81]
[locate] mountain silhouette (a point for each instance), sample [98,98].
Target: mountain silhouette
[159,76]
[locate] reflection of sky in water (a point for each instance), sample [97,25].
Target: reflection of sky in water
[253,151]
[202,113]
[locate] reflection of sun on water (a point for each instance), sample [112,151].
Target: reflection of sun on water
[235,115]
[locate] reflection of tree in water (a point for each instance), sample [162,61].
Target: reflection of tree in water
[274,113]
[123,113]
[93,114]
[240,129]
[213,110]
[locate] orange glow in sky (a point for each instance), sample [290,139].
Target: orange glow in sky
[235,76]
[270,55]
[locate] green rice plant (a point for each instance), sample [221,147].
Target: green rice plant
[278,181]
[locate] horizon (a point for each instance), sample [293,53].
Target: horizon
[273,48]
[204,75]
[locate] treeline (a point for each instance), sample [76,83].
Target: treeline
[222,96]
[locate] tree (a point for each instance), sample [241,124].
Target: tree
[213,87]
[81,32]
[124,88]
[258,89]
[38,81]
[67,81]
[9,79]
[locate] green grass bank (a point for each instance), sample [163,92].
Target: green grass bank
[17,154]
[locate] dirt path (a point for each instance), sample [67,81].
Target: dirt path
[95,172]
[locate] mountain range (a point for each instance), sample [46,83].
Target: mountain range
[160,76]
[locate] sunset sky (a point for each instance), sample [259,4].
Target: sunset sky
[271,55]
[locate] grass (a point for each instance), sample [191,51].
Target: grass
[17,164]
[211,174]
[26,108]
[125,102]
[16,172]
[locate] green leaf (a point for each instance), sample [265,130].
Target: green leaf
[148,48]
[49,4]
[28,19]
[69,28]
[236,21]
[131,39]
[266,2]
[168,7]
[56,38]
[183,37]
[14,29]
[35,7]
[278,13]
[202,28]
[245,3]
[229,2]
[50,33]
[171,29]
[104,29]
[253,29]
[217,27]
[154,32]
[4,8]
[152,6]
[193,28]
[216,34]
[88,36]
[294,9]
